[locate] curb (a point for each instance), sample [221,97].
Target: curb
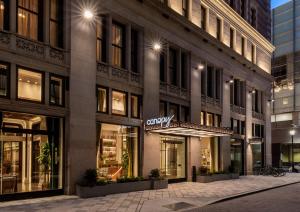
[250,193]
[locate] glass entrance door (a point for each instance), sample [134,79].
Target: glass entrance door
[172,157]
[237,155]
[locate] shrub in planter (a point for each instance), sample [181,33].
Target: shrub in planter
[157,181]
[203,170]
[89,178]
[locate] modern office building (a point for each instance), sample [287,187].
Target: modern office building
[285,69]
[129,86]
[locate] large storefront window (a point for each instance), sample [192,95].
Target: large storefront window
[287,153]
[4,80]
[209,148]
[173,157]
[117,151]
[56,90]
[257,154]
[30,85]
[30,153]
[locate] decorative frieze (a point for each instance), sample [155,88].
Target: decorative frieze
[57,55]
[120,74]
[30,47]
[4,38]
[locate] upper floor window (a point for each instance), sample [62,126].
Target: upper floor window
[210,82]
[162,67]
[253,17]
[56,14]
[162,108]
[231,38]
[184,7]
[30,19]
[101,40]
[209,119]
[4,80]
[184,114]
[174,110]
[243,43]
[257,101]
[219,30]
[135,106]
[119,103]
[173,66]
[118,45]
[134,50]
[4,14]
[56,90]
[237,93]
[30,85]
[242,4]
[102,100]
[203,17]
[253,53]
[231,3]
[183,69]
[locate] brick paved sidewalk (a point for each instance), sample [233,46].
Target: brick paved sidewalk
[196,194]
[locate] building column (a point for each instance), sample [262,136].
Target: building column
[151,94]
[226,122]
[268,127]
[248,133]
[81,145]
[13,16]
[189,9]
[193,147]
[46,22]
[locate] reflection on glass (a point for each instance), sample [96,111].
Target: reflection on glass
[28,18]
[172,157]
[209,119]
[30,161]
[209,153]
[29,85]
[117,151]
[256,154]
[117,45]
[119,103]
[102,100]
[237,155]
[56,90]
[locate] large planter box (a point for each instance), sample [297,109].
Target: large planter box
[159,184]
[216,177]
[114,188]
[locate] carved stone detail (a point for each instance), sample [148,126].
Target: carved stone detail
[30,47]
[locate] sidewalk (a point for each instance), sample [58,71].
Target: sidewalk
[186,195]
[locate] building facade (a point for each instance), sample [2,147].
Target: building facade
[285,68]
[129,86]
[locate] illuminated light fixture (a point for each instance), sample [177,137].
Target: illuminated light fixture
[28,81]
[277,89]
[2,7]
[292,132]
[200,67]
[21,15]
[20,79]
[156,46]
[252,91]
[231,81]
[36,83]
[88,14]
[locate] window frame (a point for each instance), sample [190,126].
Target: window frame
[138,106]
[122,48]
[40,18]
[8,77]
[6,16]
[63,86]
[102,40]
[42,84]
[126,103]
[59,23]
[107,98]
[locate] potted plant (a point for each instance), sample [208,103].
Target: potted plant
[157,181]
[44,160]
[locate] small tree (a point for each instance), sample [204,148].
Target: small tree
[44,160]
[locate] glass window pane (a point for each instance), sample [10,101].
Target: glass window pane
[174,111]
[27,24]
[102,100]
[117,151]
[53,33]
[3,80]
[135,106]
[56,90]
[29,85]
[119,103]
[1,15]
[209,119]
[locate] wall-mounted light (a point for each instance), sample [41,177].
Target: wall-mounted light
[253,91]
[231,81]
[200,67]
[157,46]
[88,14]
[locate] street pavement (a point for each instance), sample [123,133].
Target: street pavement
[179,196]
[284,199]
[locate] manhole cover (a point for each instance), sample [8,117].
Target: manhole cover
[178,206]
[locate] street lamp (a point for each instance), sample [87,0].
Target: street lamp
[292,133]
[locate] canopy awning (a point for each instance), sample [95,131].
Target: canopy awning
[189,129]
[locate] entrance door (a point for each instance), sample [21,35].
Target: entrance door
[237,155]
[173,157]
